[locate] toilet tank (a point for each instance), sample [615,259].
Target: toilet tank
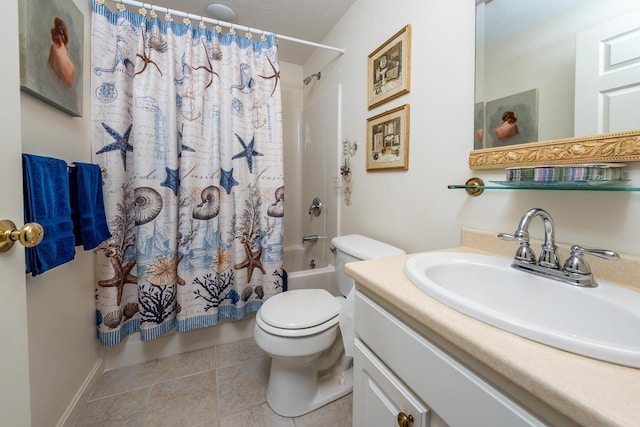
[354,247]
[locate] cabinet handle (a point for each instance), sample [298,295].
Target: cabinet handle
[405,420]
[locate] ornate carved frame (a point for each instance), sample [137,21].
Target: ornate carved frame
[611,147]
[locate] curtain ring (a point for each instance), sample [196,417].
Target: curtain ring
[218,27]
[263,37]
[168,17]
[187,20]
[202,25]
[232,31]
[121,7]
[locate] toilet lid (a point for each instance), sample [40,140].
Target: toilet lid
[299,309]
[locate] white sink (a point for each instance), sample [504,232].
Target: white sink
[602,322]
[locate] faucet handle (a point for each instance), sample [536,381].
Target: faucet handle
[576,263]
[512,237]
[600,253]
[524,252]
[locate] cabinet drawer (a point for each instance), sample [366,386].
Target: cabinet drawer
[378,396]
[451,390]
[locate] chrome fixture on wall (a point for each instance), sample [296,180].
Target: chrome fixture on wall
[308,79]
[312,238]
[316,207]
[575,271]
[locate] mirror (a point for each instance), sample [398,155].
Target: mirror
[540,70]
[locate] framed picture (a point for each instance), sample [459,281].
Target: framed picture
[389,68]
[51,46]
[388,140]
[512,120]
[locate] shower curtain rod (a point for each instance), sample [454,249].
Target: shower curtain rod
[225,24]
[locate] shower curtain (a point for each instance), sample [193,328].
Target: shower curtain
[187,122]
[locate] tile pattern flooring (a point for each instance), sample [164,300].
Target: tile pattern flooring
[221,386]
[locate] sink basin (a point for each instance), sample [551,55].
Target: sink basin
[601,323]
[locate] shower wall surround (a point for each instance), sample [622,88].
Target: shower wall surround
[319,166]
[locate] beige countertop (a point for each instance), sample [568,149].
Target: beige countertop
[587,391]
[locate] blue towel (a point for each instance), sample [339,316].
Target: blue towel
[46,201]
[87,205]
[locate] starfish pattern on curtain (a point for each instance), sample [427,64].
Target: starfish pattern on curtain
[196,219]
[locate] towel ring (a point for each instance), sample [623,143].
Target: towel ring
[29,235]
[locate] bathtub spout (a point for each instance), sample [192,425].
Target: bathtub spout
[313,238]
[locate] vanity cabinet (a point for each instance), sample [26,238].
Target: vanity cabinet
[403,379]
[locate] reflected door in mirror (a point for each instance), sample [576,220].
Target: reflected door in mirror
[608,76]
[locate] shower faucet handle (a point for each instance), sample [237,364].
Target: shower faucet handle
[316,207]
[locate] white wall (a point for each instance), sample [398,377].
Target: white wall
[413,209]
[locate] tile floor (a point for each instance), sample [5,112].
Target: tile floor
[221,386]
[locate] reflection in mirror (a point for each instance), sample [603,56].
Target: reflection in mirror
[578,61]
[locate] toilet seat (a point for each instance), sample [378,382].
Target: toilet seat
[299,313]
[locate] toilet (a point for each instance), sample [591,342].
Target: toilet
[300,330]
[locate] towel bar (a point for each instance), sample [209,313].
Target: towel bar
[102,168]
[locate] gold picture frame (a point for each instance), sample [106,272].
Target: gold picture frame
[389,69]
[388,140]
[611,147]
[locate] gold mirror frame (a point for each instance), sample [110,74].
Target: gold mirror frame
[610,147]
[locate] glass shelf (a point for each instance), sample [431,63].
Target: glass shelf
[475,186]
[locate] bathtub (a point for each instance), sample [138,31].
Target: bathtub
[302,276]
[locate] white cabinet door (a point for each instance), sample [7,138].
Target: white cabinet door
[608,77]
[379,397]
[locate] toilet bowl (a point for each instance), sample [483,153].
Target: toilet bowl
[300,331]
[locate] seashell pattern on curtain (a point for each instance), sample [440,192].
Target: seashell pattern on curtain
[188,123]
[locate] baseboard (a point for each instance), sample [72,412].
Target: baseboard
[77,403]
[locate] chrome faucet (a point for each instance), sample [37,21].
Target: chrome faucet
[313,238]
[575,271]
[549,252]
